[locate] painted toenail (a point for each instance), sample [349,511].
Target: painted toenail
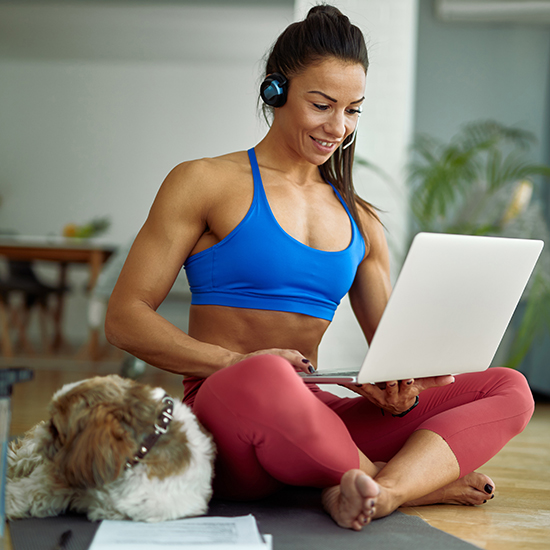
[371,503]
[492,496]
[488,488]
[484,502]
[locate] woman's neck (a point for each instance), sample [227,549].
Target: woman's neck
[275,153]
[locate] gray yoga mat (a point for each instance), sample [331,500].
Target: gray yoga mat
[294,517]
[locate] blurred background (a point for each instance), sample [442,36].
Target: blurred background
[99,100]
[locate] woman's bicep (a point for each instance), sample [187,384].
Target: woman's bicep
[175,223]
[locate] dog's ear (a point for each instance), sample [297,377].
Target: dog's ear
[48,440]
[92,446]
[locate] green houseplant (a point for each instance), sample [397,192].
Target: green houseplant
[482,183]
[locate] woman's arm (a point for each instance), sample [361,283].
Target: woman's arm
[371,288]
[369,296]
[175,223]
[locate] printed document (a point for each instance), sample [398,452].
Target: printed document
[204,533]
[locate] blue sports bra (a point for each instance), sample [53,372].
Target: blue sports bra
[260,266]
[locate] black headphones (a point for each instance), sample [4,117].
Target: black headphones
[274,90]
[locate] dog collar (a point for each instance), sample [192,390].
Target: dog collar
[160,428]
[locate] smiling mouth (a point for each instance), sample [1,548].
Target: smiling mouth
[323,143]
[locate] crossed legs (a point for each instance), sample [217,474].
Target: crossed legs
[272,430]
[431,454]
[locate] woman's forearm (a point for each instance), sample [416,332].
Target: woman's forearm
[144,333]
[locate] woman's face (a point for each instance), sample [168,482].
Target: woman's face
[322,108]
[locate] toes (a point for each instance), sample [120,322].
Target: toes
[369,490]
[484,484]
[366,517]
[369,510]
[477,497]
[489,490]
[358,495]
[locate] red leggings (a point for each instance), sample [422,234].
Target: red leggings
[272,429]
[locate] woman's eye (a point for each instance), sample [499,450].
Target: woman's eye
[321,107]
[354,111]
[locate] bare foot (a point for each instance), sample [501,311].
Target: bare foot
[471,490]
[352,504]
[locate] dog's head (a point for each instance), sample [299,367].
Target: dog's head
[96,426]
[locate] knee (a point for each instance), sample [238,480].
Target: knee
[511,381]
[258,381]
[513,385]
[260,371]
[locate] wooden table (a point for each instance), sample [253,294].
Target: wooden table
[64,251]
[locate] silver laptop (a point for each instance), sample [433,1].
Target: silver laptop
[449,309]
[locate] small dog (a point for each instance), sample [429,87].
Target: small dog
[113,449]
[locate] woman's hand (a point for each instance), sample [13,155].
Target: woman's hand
[294,357]
[398,396]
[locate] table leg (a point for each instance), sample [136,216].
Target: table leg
[58,339]
[96,263]
[7,349]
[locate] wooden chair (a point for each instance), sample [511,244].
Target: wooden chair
[33,294]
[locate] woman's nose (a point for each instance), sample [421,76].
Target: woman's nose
[336,125]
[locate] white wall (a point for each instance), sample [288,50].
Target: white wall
[100,101]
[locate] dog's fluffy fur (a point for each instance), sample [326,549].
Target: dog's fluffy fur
[76,460]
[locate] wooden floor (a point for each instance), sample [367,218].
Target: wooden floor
[517,518]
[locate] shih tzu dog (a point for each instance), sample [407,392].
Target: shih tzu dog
[112,449]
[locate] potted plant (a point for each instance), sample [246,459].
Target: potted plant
[482,183]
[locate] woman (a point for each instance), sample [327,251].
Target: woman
[272,240]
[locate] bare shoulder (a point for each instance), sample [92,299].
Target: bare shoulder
[204,180]
[208,171]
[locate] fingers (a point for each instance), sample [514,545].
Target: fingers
[392,391]
[397,396]
[298,361]
[307,366]
[444,380]
[434,381]
[294,357]
[301,363]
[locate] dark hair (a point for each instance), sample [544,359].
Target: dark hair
[325,32]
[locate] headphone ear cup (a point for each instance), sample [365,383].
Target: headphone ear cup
[273,90]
